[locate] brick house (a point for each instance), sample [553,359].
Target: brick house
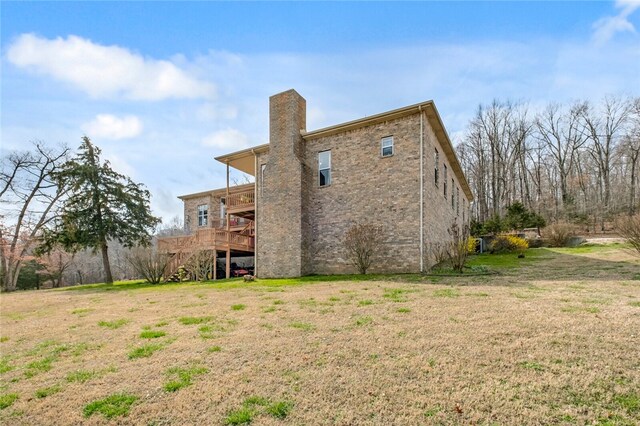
[395,169]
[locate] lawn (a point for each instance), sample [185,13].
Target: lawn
[550,339]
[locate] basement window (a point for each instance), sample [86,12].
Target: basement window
[324,168]
[203,215]
[386,146]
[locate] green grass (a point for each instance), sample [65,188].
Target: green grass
[254,401]
[40,366]
[161,323]
[111,406]
[182,377]
[403,310]
[144,351]
[242,416]
[509,260]
[590,248]
[113,324]
[302,325]
[81,312]
[238,307]
[365,302]
[630,402]
[193,320]
[366,320]
[635,304]
[279,409]
[5,366]
[446,292]
[81,376]
[152,334]
[4,339]
[395,294]
[45,392]
[535,366]
[214,349]
[7,400]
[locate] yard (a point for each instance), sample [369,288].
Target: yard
[553,338]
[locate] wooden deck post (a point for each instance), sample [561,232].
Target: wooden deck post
[228,265]
[215,265]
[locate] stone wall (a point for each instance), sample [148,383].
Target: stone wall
[191,210]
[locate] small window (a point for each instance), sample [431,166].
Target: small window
[445,180]
[458,201]
[453,198]
[203,215]
[436,158]
[324,168]
[386,146]
[262,168]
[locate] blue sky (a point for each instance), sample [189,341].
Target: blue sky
[164,87]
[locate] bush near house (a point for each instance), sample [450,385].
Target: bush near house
[508,244]
[629,229]
[558,234]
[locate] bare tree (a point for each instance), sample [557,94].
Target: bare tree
[29,198]
[602,129]
[148,263]
[363,243]
[54,265]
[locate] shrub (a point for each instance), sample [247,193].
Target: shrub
[458,246]
[363,242]
[148,263]
[629,229]
[558,234]
[508,244]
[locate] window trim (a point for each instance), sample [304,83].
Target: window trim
[204,214]
[382,147]
[326,168]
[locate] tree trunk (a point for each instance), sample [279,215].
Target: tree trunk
[108,278]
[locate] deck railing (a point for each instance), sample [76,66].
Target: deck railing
[241,199]
[206,238]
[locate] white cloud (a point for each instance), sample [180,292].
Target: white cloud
[227,139]
[105,71]
[109,126]
[605,28]
[211,112]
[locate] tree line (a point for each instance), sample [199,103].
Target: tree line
[56,205]
[576,162]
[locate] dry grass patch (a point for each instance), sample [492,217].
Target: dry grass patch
[322,357]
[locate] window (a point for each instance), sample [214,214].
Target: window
[203,215]
[445,180]
[453,199]
[436,160]
[324,168]
[457,201]
[262,168]
[386,146]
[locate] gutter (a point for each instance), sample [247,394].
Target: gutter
[421,189]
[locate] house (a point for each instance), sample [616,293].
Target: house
[396,169]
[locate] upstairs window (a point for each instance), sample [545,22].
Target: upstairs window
[436,161]
[203,215]
[262,169]
[445,180]
[386,146]
[324,168]
[453,199]
[458,201]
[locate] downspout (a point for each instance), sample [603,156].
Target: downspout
[421,189]
[255,219]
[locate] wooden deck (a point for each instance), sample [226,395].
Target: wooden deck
[208,239]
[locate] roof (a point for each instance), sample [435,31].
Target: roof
[243,160]
[218,192]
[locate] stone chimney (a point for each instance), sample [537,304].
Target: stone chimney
[279,251]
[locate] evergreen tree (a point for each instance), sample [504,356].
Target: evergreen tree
[102,205]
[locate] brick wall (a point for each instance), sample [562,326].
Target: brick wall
[279,251]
